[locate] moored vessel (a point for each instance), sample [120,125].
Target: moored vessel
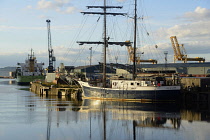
[142,90]
[154,88]
[30,70]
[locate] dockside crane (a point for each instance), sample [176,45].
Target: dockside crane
[180,53]
[52,59]
[138,60]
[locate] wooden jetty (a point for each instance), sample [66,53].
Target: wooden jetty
[53,90]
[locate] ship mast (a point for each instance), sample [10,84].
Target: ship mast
[135,28]
[105,39]
[105,45]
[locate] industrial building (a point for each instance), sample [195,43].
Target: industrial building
[187,69]
[195,76]
[195,69]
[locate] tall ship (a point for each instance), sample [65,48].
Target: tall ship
[30,70]
[150,88]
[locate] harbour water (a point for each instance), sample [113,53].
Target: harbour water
[25,115]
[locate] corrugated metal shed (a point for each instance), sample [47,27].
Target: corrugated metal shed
[184,68]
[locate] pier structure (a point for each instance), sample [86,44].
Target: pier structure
[42,90]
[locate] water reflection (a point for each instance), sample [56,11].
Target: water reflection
[198,111]
[140,115]
[7,81]
[133,117]
[25,114]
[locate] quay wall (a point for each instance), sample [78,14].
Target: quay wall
[192,83]
[195,83]
[195,89]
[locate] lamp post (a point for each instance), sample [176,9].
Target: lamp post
[166,53]
[90,54]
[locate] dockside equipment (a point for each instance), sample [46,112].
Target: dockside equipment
[51,67]
[138,60]
[180,53]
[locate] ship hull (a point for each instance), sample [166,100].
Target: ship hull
[163,93]
[24,80]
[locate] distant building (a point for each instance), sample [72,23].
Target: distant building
[181,68]
[94,71]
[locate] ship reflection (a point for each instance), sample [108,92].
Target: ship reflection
[143,114]
[160,121]
[132,116]
[155,113]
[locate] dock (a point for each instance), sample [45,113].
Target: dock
[193,89]
[43,90]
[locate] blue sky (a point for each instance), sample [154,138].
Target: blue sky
[23,26]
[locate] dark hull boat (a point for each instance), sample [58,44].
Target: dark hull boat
[154,89]
[132,92]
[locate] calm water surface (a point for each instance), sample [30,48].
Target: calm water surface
[24,115]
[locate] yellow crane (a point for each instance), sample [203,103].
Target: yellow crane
[180,53]
[138,60]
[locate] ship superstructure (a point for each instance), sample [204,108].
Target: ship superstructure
[30,70]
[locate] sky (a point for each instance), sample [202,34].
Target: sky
[23,27]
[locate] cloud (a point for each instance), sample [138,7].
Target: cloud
[42,4]
[3,20]
[62,54]
[194,33]
[121,0]
[5,27]
[61,6]
[44,17]
[29,7]
[70,9]
[197,29]
[199,14]
[63,27]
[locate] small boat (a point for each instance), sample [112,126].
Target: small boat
[155,88]
[29,71]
